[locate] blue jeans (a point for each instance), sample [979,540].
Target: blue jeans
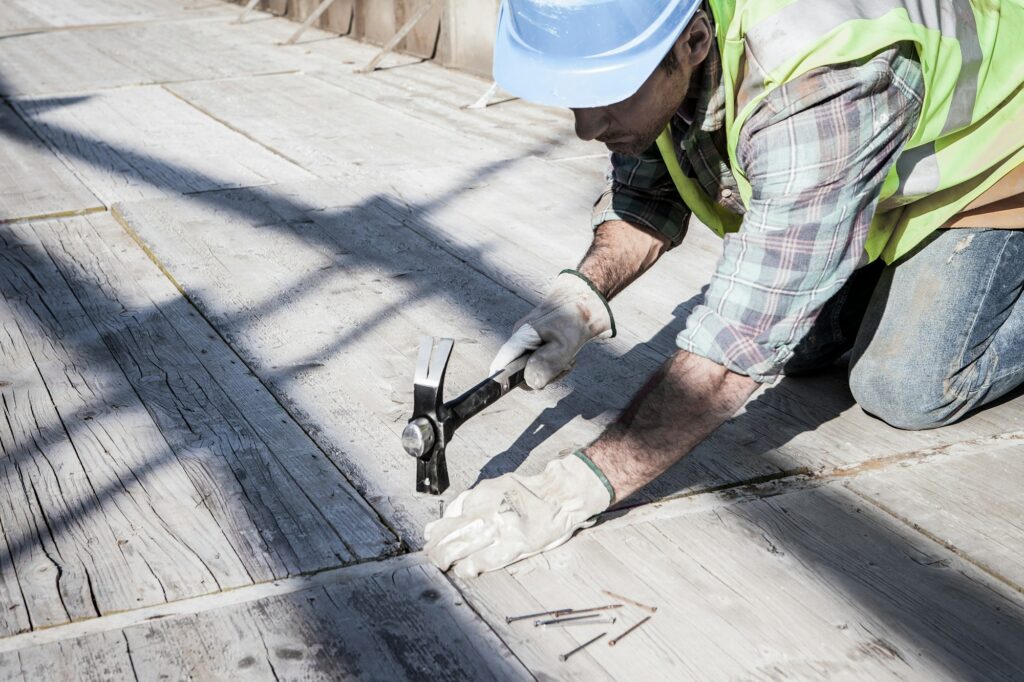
[941,334]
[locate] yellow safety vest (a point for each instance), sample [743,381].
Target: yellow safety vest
[971,130]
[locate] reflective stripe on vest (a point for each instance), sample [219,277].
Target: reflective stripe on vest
[971,129]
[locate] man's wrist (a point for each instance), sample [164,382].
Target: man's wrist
[597,292]
[619,254]
[600,475]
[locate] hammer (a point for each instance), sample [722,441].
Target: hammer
[434,421]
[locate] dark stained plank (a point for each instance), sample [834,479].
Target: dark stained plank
[241,447]
[140,467]
[103,516]
[401,622]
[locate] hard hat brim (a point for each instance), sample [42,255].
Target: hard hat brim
[580,82]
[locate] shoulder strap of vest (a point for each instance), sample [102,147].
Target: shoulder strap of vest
[715,216]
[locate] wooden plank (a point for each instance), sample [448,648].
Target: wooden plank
[278,497]
[328,131]
[207,47]
[967,499]
[811,584]
[441,96]
[34,182]
[76,13]
[402,622]
[122,150]
[800,425]
[100,514]
[326,296]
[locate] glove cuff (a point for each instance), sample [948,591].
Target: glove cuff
[600,475]
[604,301]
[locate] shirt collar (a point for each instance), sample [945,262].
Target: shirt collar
[709,111]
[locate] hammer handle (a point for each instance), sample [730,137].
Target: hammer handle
[485,393]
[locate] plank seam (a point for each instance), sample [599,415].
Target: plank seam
[190,606]
[800,479]
[984,568]
[237,130]
[402,547]
[71,213]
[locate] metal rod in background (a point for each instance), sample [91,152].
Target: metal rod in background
[481,103]
[321,8]
[397,38]
[249,6]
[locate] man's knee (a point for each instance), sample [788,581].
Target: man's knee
[904,398]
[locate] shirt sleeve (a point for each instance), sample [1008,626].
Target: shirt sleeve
[816,153]
[640,191]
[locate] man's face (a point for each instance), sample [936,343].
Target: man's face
[632,125]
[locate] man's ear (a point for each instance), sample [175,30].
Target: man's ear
[693,45]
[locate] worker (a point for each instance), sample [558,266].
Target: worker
[861,160]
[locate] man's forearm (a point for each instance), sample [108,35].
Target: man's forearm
[686,399]
[619,254]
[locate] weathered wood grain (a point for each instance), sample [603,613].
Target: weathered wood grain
[813,584]
[401,623]
[76,13]
[103,516]
[144,142]
[139,466]
[326,295]
[441,96]
[269,485]
[33,181]
[316,323]
[330,131]
[523,222]
[968,499]
[206,47]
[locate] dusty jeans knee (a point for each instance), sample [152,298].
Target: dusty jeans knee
[944,330]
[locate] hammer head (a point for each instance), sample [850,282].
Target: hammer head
[427,433]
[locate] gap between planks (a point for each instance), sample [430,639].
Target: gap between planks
[210,602]
[803,477]
[71,213]
[950,546]
[382,518]
[236,129]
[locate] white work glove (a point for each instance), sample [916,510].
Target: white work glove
[572,314]
[511,517]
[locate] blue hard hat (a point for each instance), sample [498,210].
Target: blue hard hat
[584,53]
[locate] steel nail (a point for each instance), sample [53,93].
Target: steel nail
[613,642]
[564,657]
[567,619]
[645,607]
[556,613]
[567,622]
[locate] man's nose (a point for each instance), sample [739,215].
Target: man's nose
[590,123]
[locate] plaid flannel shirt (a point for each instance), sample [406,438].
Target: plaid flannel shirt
[816,152]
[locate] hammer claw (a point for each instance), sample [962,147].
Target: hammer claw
[432,361]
